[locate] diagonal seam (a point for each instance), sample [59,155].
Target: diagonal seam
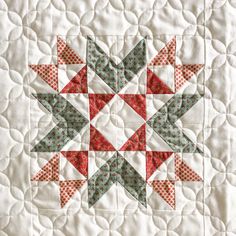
[109,71]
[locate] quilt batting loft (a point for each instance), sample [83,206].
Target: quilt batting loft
[117,117]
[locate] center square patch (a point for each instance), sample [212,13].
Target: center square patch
[117,122]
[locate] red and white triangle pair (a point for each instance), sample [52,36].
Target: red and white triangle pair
[65,56]
[50,172]
[137,142]
[166,188]
[136,101]
[182,72]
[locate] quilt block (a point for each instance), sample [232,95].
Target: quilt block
[117,121]
[117,117]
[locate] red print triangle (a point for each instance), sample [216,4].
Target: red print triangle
[183,172]
[49,73]
[98,142]
[137,142]
[166,189]
[185,72]
[50,171]
[166,55]
[155,85]
[78,83]
[65,54]
[97,102]
[154,160]
[79,159]
[137,102]
[68,189]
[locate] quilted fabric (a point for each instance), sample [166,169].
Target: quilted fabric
[118,117]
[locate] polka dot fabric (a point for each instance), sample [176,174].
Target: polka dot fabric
[68,189]
[184,172]
[185,72]
[65,54]
[166,189]
[50,172]
[49,73]
[166,56]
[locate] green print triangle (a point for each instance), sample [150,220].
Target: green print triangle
[163,122]
[116,170]
[69,123]
[116,76]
